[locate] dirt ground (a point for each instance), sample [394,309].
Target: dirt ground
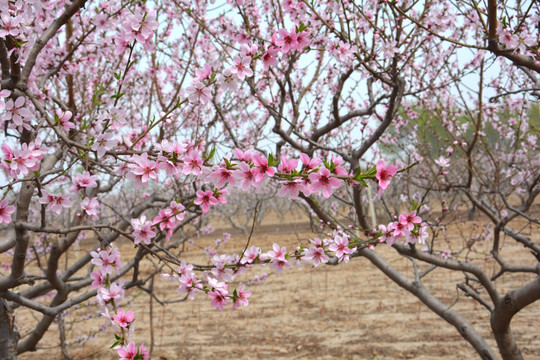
[349,311]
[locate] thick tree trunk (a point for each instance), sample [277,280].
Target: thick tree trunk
[501,317]
[507,344]
[8,336]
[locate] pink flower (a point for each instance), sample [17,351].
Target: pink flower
[509,40]
[302,39]
[114,292]
[384,234]
[291,189]
[205,199]
[341,247]
[384,175]
[246,175]
[198,92]
[142,230]
[251,254]
[203,73]
[243,156]
[277,252]
[99,279]
[317,255]
[228,80]
[268,57]
[287,165]
[409,219]
[261,168]
[189,284]
[166,220]
[342,50]
[140,26]
[221,176]
[103,143]
[278,261]
[91,207]
[63,119]
[10,25]
[337,169]
[84,180]
[55,203]
[106,260]
[222,273]
[419,237]
[241,298]
[322,181]
[177,209]
[288,41]
[309,164]
[443,162]
[144,353]
[249,50]
[21,161]
[143,169]
[124,318]
[20,115]
[398,229]
[218,294]
[5,211]
[192,163]
[128,352]
[241,67]
[184,269]
[220,196]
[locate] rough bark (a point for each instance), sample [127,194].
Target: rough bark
[505,310]
[8,334]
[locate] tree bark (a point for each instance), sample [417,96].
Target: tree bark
[510,305]
[8,335]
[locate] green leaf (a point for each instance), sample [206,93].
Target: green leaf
[211,155]
[271,161]
[118,341]
[301,28]
[415,205]
[19,43]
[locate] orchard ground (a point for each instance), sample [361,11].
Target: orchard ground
[349,311]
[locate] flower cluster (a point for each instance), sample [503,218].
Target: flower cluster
[213,283]
[408,228]
[23,160]
[110,295]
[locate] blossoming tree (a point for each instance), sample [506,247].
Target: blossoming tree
[133,119]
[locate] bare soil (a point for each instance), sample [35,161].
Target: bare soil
[349,311]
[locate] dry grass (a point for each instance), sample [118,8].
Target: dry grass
[350,311]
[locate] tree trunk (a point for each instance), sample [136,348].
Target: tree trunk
[507,344]
[8,336]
